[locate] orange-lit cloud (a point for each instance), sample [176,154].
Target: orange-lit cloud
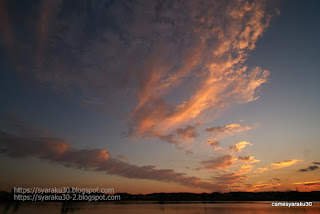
[248,159]
[244,169]
[284,163]
[239,146]
[278,165]
[308,183]
[235,177]
[259,186]
[214,144]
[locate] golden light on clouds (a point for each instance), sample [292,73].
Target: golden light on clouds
[239,146]
[165,72]
[278,165]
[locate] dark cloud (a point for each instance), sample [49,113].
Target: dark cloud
[181,136]
[312,184]
[310,168]
[59,151]
[318,163]
[221,162]
[187,133]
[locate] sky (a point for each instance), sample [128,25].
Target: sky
[160,96]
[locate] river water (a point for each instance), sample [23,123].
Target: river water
[155,208]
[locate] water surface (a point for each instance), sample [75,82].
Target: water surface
[156,208]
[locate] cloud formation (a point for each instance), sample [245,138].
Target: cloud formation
[181,137]
[260,185]
[278,165]
[248,159]
[309,183]
[59,151]
[236,177]
[188,133]
[146,52]
[214,144]
[237,147]
[230,129]
[221,162]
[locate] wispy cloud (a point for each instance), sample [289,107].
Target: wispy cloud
[165,46]
[309,183]
[261,185]
[278,165]
[230,178]
[230,129]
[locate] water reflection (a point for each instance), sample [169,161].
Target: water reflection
[156,208]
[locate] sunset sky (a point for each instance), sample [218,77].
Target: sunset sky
[160,96]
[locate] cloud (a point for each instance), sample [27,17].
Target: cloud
[310,168]
[309,183]
[181,137]
[284,163]
[230,129]
[239,146]
[236,177]
[195,47]
[123,158]
[248,159]
[278,165]
[221,162]
[260,185]
[244,169]
[318,163]
[188,133]
[214,144]
[51,148]
[59,151]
